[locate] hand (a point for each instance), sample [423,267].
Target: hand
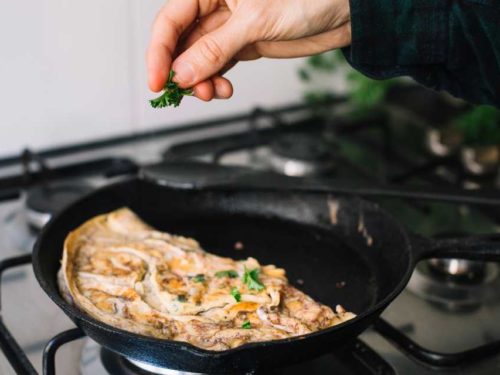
[201,39]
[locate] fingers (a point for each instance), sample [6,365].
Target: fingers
[175,17]
[223,87]
[204,90]
[209,54]
[205,26]
[217,87]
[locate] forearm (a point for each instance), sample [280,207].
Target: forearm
[453,46]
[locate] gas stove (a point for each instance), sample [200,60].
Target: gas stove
[446,319]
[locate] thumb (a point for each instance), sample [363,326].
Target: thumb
[209,54]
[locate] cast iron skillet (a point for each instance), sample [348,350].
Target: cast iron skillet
[320,238]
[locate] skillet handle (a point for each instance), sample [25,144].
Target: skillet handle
[480,247]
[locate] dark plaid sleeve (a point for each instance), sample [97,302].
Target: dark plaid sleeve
[451,45]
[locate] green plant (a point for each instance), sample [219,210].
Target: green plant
[327,62]
[363,92]
[172,94]
[251,279]
[480,126]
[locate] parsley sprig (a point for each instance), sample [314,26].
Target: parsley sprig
[200,278]
[232,274]
[236,294]
[246,325]
[173,94]
[251,279]
[480,126]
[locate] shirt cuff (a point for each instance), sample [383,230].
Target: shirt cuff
[391,36]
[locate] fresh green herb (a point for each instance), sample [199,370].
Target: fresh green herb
[366,93]
[251,279]
[232,274]
[246,325]
[304,75]
[236,294]
[480,126]
[181,298]
[362,93]
[200,278]
[326,62]
[172,94]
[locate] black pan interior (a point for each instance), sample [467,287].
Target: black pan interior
[335,263]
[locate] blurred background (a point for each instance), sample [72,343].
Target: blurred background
[89,81]
[76,70]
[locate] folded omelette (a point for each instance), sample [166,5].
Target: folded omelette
[126,274]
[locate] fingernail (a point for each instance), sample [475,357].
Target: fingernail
[184,73]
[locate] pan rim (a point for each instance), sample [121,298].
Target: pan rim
[76,315]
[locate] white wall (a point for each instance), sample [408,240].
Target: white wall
[73,70]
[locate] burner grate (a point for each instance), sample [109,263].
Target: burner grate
[36,171]
[430,357]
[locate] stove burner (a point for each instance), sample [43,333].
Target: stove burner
[150,369]
[96,360]
[116,364]
[45,200]
[455,295]
[357,359]
[456,284]
[467,271]
[300,154]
